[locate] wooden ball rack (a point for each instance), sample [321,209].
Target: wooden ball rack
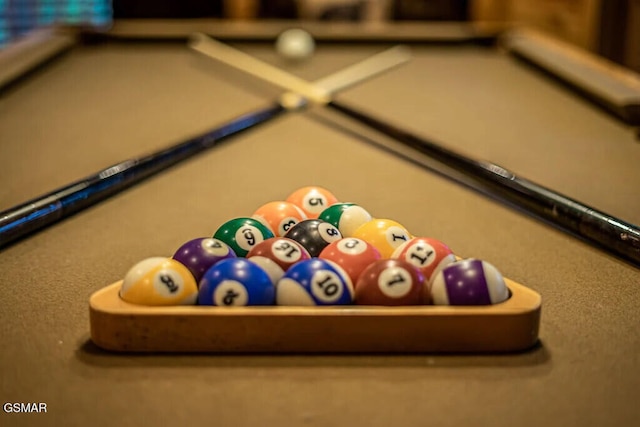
[504,327]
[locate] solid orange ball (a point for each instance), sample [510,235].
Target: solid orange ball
[312,200]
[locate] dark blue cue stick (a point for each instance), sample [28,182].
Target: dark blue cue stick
[598,228]
[24,219]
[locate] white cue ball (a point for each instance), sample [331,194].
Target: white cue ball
[295,44]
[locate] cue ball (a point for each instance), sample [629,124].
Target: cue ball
[314,235]
[198,255]
[426,254]
[279,216]
[468,282]
[385,234]
[353,255]
[277,255]
[242,234]
[236,282]
[390,282]
[159,281]
[314,282]
[312,200]
[347,217]
[295,44]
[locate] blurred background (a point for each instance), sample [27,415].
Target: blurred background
[610,28]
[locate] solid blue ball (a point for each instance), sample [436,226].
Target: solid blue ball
[236,282]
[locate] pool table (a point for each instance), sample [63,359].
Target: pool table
[138,89]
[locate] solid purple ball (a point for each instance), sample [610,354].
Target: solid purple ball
[198,255]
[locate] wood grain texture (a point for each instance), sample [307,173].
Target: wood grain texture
[509,326]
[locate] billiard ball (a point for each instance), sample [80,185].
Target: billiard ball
[314,235]
[198,255]
[347,217]
[159,281]
[312,200]
[426,254]
[390,282]
[314,282]
[276,255]
[279,216]
[353,255]
[236,282]
[242,234]
[295,44]
[385,234]
[468,282]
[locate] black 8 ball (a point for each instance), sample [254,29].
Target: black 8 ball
[314,235]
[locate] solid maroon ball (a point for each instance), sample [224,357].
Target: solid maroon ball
[390,282]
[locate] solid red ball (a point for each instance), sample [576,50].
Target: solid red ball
[352,254]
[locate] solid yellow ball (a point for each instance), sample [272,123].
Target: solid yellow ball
[384,234]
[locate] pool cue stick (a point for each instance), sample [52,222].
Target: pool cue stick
[598,228]
[33,215]
[319,92]
[42,211]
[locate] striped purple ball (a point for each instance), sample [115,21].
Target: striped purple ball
[469,282]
